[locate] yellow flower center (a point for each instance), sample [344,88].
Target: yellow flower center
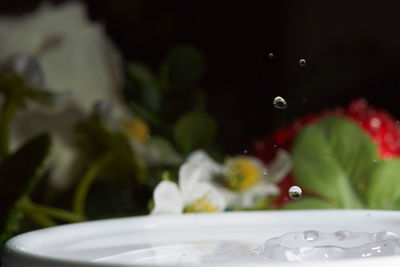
[137,129]
[201,205]
[243,174]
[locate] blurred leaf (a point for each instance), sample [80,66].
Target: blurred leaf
[18,175]
[141,73]
[145,114]
[333,158]
[97,140]
[143,87]
[309,203]
[183,67]
[384,185]
[157,151]
[18,91]
[194,130]
[166,152]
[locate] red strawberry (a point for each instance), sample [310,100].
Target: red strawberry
[377,123]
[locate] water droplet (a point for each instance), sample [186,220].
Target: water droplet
[280,103]
[302,62]
[245,151]
[311,235]
[375,123]
[375,161]
[295,192]
[270,56]
[342,235]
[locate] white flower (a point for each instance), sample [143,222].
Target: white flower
[194,192]
[248,180]
[76,56]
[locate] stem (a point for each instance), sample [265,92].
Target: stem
[86,181]
[28,206]
[5,120]
[40,219]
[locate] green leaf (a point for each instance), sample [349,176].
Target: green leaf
[143,87]
[18,91]
[309,203]
[194,130]
[141,73]
[333,158]
[18,175]
[183,67]
[384,186]
[164,153]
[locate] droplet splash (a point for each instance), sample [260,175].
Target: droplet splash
[312,245]
[295,192]
[302,62]
[280,103]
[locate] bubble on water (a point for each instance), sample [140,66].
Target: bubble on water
[311,235]
[270,56]
[342,235]
[295,192]
[279,102]
[302,62]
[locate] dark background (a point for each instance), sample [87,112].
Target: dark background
[352,49]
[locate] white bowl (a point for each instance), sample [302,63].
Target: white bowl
[187,239]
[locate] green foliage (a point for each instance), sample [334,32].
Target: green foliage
[183,66]
[335,160]
[383,191]
[18,175]
[97,140]
[15,89]
[194,130]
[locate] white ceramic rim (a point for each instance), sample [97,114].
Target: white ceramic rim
[16,250]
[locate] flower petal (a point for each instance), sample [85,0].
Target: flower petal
[248,198]
[167,199]
[280,166]
[198,167]
[207,197]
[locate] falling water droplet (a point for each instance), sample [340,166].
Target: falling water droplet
[279,102]
[295,192]
[302,62]
[270,56]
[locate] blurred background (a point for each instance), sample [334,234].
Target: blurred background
[199,74]
[351,49]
